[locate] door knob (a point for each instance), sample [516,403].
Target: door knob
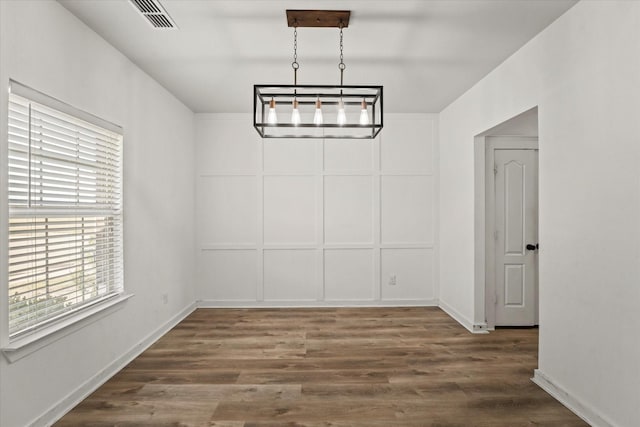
[531,247]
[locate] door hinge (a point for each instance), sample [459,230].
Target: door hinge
[495,298]
[495,169]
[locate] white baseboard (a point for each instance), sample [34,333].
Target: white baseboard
[573,404]
[314,303]
[467,323]
[74,398]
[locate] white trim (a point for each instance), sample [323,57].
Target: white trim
[464,321]
[40,98]
[480,227]
[20,347]
[484,253]
[571,402]
[376,223]
[60,199]
[224,174]
[68,402]
[480,328]
[390,172]
[209,303]
[296,246]
[435,135]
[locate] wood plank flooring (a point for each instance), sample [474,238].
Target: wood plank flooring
[327,367]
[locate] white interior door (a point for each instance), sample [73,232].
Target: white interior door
[516,222]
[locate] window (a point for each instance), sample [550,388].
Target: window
[65,210]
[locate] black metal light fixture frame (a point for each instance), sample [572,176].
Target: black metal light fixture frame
[354,100]
[307,96]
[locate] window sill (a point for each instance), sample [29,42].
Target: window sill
[21,347]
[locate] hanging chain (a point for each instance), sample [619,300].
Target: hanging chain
[341,65]
[295,64]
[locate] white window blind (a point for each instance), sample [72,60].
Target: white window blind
[65,210]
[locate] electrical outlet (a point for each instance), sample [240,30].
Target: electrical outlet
[392,280]
[165,298]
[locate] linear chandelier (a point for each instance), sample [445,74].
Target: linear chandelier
[317,111]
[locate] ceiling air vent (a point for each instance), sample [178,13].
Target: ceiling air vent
[154,13]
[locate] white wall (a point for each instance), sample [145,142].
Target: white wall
[47,48]
[583,73]
[315,222]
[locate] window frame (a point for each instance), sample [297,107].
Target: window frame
[17,344]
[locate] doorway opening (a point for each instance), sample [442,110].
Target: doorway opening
[506,224]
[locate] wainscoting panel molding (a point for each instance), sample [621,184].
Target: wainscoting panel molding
[315,222]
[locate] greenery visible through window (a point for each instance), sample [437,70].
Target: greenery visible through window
[65,210]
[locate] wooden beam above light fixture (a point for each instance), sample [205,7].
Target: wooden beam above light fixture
[318,18]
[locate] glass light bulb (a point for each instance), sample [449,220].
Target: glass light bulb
[295,114]
[342,117]
[364,115]
[317,117]
[272,117]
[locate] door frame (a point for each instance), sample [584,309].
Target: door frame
[485,226]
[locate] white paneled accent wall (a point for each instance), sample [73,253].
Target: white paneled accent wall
[315,222]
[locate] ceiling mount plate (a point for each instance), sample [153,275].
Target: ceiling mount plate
[318,18]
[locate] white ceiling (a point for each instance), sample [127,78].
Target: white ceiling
[425,53]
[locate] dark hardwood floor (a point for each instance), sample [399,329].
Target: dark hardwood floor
[327,367]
